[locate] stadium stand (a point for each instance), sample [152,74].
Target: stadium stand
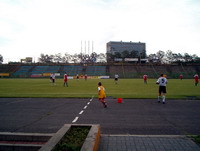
[95,70]
[116,70]
[124,71]
[153,71]
[38,71]
[45,69]
[131,71]
[23,71]
[189,71]
[8,68]
[72,70]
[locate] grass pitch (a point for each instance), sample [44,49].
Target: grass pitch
[126,88]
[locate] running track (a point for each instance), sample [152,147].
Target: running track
[133,116]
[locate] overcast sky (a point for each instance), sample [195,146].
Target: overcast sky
[31,27]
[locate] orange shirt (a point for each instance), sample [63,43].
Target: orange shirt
[101,92]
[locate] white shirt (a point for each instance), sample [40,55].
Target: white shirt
[162,81]
[116,76]
[53,76]
[196,75]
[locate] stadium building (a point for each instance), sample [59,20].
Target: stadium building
[115,46]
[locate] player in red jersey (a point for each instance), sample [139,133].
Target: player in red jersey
[65,80]
[196,79]
[85,77]
[145,77]
[181,76]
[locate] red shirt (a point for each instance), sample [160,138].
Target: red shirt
[196,77]
[145,77]
[65,77]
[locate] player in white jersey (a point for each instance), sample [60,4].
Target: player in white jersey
[116,78]
[53,78]
[162,82]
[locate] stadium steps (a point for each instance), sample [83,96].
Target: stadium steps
[61,69]
[32,69]
[13,69]
[197,68]
[84,69]
[23,141]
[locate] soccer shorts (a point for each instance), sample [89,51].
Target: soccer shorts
[162,89]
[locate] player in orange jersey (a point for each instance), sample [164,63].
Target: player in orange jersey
[101,94]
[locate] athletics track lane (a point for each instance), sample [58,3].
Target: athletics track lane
[133,116]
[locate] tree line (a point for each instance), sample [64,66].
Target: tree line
[76,58]
[169,57]
[161,57]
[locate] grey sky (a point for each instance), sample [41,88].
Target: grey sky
[31,27]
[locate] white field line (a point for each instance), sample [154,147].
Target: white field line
[91,98]
[81,112]
[75,119]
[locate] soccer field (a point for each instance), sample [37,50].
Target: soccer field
[126,88]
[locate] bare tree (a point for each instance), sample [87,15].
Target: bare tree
[66,58]
[160,55]
[46,58]
[153,58]
[169,56]
[57,58]
[101,57]
[1,59]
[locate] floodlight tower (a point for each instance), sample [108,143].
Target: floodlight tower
[81,47]
[81,51]
[92,46]
[88,47]
[85,46]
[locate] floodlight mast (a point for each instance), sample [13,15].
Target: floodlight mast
[92,46]
[88,47]
[81,47]
[85,46]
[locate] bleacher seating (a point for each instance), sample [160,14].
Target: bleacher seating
[8,68]
[45,69]
[124,71]
[96,70]
[72,70]
[23,71]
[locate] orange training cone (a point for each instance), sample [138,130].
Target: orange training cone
[119,100]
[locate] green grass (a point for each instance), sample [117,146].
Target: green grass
[73,139]
[126,88]
[195,138]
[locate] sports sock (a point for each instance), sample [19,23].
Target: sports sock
[163,98]
[158,98]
